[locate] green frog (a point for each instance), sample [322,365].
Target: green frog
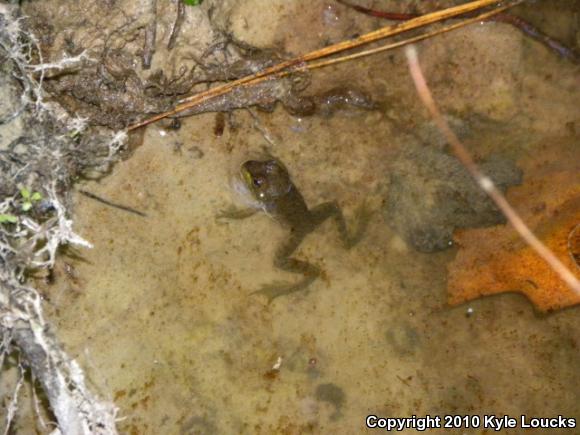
[272,191]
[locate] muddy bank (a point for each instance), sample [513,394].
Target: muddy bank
[170,328]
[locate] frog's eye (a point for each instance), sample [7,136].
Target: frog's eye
[257,181]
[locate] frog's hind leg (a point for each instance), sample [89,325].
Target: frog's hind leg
[284,261]
[331,209]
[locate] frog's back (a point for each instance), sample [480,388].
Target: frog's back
[290,210]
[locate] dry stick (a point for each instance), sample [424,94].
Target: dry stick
[484,182]
[150,36]
[12,407]
[179,16]
[519,23]
[333,61]
[412,40]
[317,54]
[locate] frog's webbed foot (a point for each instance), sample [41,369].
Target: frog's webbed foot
[362,217]
[276,289]
[233,212]
[283,261]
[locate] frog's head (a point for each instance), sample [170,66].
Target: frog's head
[267,179]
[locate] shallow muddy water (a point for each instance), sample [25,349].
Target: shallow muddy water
[161,312]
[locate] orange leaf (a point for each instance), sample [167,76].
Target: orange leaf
[495,260]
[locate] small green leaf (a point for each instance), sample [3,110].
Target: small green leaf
[36,196]
[8,218]
[25,193]
[192,2]
[26,206]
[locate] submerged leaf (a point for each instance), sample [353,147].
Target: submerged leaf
[496,260]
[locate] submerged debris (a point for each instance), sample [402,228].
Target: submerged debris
[332,394]
[115,88]
[341,98]
[431,194]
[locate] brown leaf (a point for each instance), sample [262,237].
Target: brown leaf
[495,260]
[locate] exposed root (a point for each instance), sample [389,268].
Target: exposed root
[13,405]
[36,169]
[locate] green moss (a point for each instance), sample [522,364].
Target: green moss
[8,218]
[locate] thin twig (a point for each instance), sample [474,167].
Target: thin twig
[519,23]
[485,182]
[150,36]
[395,16]
[179,15]
[535,33]
[479,18]
[111,204]
[4,345]
[36,403]
[297,62]
[258,126]
[12,407]
[573,245]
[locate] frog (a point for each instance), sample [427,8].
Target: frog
[273,192]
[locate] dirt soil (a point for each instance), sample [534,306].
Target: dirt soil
[161,313]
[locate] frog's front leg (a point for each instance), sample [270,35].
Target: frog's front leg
[284,261]
[331,209]
[236,213]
